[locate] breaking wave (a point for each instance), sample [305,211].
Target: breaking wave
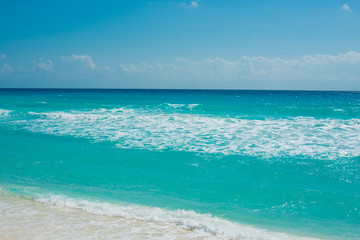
[156,130]
[4,112]
[179,218]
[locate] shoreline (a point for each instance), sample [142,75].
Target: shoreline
[29,219]
[241,166]
[26,219]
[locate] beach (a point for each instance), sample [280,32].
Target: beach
[179,120]
[24,219]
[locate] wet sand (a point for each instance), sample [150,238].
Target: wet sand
[26,219]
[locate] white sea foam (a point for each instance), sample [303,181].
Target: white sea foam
[181,106]
[4,112]
[199,223]
[156,130]
[24,219]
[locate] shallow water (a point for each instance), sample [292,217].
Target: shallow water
[211,161]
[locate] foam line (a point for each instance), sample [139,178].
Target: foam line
[4,112]
[155,130]
[181,218]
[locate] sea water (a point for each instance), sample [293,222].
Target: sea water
[227,164]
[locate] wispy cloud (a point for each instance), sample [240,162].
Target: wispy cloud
[6,68]
[86,60]
[319,71]
[133,68]
[320,66]
[346,7]
[43,66]
[190,5]
[267,67]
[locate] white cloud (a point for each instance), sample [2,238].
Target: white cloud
[43,66]
[86,59]
[190,5]
[6,68]
[346,7]
[263,65]
[343,66]
[305,72]
[132,68]
[2,56]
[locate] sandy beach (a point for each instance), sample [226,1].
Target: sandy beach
[26,219]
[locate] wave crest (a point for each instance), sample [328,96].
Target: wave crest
[4,112]
[155,130]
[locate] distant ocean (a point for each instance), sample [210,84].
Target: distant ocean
[223,164]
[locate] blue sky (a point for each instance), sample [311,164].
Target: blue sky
[181,44]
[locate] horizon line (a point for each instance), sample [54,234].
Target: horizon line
[180,89]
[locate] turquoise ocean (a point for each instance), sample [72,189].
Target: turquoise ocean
[235,164]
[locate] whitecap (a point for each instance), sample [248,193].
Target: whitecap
[155,130]
[4,112]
